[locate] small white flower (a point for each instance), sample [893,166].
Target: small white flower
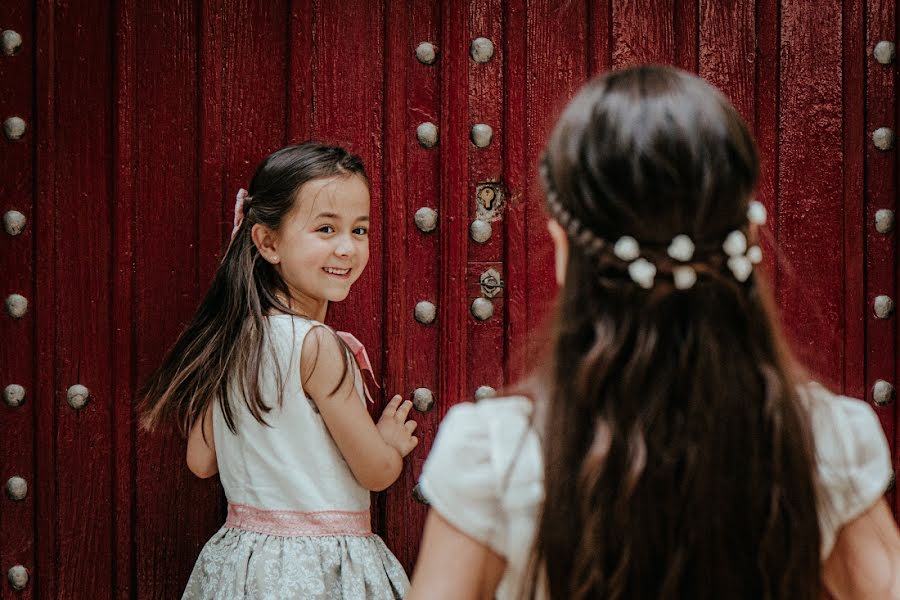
[735,244]
[756,213]
[627,248]
[741,267]
[681,248]
[642,272]
[685,277]
[755,255]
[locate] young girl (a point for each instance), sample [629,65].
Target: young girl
[668,451]
[272,400]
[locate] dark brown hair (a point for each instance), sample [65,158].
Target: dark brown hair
[678,457]
[228,334]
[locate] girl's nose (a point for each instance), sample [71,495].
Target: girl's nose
[344,247]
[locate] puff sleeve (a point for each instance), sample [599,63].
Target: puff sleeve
[484,473]
[852,459]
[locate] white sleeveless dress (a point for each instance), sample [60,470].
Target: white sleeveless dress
[298,521]
[485,473]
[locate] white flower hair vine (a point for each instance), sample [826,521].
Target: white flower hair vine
[642,270]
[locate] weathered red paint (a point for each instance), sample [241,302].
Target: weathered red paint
[144,120]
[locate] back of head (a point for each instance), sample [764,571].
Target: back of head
[678,460]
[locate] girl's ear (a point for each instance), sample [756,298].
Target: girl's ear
[266,241]
[561,247]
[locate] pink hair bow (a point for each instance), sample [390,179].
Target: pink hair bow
[239,204]
[362,358]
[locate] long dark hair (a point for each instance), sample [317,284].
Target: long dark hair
[678,458]
[228,334]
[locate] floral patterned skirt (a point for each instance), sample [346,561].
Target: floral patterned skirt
[236,563]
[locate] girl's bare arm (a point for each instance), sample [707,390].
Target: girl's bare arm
[201,453]
[865,561]
[453,565]
[374,454]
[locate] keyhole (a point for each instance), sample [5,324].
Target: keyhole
[487,197]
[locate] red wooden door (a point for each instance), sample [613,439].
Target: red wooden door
[142,119]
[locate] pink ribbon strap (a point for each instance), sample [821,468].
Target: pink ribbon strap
[362,358]
[239,204]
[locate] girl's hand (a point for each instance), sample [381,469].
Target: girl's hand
[395,430]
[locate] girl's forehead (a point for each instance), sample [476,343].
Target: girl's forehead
[342,194]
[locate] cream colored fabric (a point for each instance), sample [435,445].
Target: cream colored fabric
[479,445]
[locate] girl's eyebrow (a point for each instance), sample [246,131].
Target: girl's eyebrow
[328,215]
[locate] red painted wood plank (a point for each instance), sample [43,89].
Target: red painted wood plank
[557,65]
[643,32]
[44,222]
[727,60]
[765,123]
[302,57]
[452,306]
[810,207]
[599,36]
[17,253]
[854,375]
[123,302]
[881,192]
[516,169]
[176,512]
[411,182]
[83,267]
[686,29]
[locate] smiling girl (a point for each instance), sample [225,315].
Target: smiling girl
[273,400]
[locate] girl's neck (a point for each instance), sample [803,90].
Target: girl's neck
[303,305]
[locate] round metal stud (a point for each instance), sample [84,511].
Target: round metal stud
[426,219]
[16,306]
[13,128]
[485,391]
[16,488]
[481,50]
[418,496]
[480,230]
[883,393]
[884,52]
[883,138]
[884,220]
[77,396]
[427,133]
[426,53]
[11,42]
[423,399]
[14,395]
[18,577]
[482,309]
[425,312]
[13,222]
[883,306]
[481,135]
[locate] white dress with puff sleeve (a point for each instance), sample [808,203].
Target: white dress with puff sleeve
[485,474]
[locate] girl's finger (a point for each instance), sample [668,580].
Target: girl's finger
[403,411]
[410,426]
[391,408]
[413,442]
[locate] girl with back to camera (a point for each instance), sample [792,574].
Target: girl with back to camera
[669,450]
[273,400]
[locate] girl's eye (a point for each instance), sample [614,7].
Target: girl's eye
[326,229]
[361,231]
